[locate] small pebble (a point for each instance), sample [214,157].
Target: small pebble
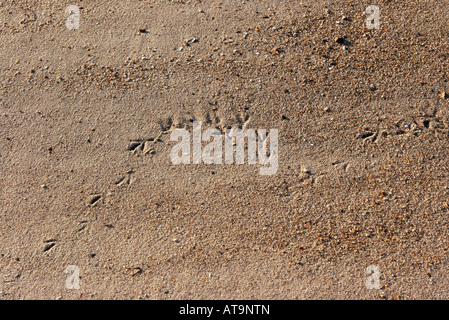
[340,40]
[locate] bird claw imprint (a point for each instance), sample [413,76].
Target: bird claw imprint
[145,145]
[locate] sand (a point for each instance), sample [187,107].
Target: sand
[86,117]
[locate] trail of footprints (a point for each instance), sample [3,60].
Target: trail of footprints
[417,127]
[208,119]
[185,121]
[146,146]
[435,124]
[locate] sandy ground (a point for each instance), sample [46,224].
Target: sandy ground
[363,150]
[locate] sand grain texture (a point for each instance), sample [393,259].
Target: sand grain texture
[86,177]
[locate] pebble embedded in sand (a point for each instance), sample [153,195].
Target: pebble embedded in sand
[443,95]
